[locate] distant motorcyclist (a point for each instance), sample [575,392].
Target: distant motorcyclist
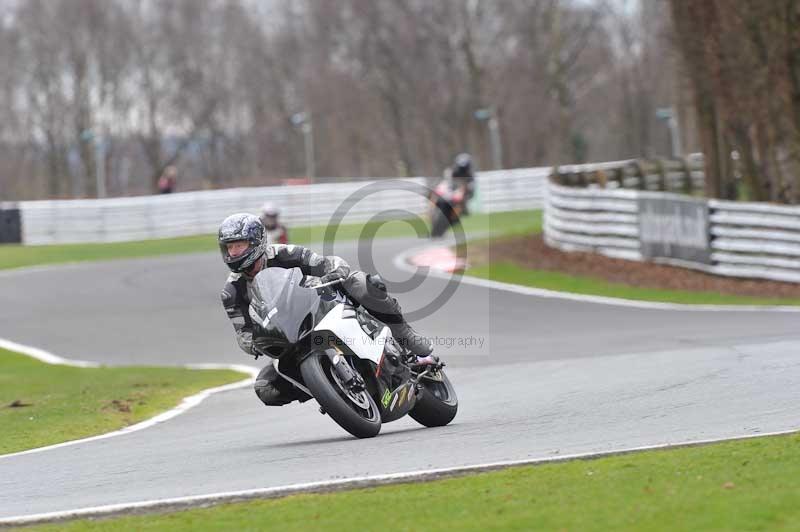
[463,174]
[276,231]
[450,197]
[245,249]
[167,181]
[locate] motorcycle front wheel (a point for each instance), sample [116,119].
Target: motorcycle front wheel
[439,222]
[355,412]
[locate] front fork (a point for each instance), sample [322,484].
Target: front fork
[346,373]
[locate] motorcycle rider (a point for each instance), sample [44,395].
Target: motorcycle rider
[463,174]
[276,231]
[246,251]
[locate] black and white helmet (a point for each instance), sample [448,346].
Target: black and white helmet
[242,227]
[463,162]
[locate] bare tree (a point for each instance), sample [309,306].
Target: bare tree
[741,56]
[391,87]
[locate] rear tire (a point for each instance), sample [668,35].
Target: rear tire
[316,371]
[437,403]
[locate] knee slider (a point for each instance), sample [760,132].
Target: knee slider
[268,393]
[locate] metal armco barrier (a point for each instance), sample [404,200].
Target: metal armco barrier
[199,212]
[740,239]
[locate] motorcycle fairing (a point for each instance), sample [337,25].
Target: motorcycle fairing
[396,394]
[349,332]
[395,404]
[282,309]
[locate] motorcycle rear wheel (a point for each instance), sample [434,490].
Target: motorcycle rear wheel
[356,413]
[437,403]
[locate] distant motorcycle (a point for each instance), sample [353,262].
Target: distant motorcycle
[342,356]
[447,204]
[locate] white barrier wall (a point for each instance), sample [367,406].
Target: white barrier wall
[594,220]
[746,239]
[199,212]
[512,190]
[755,240]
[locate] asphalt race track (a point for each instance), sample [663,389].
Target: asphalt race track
[550,377]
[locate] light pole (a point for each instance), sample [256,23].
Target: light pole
[99,166]
[303,121]
[668,114]
[488,115]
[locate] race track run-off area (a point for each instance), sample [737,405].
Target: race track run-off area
[537,377]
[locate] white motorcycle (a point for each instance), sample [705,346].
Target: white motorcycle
[337,353]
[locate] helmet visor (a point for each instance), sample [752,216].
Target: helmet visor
[237,248]
[240,254]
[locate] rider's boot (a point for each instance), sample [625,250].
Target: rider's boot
[403,333]
[416,344]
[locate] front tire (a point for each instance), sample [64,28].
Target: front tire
[437,403]
[362,421]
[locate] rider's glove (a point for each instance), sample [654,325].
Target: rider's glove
[312,282]
[333,276]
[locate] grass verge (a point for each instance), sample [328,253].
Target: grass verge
[508,272]
[43,404]
[738,485]
[17,256]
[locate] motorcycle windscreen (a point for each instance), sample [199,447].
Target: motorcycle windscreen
[278,298]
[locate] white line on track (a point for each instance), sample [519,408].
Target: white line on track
[186,403]
[401,262]
[178,503]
